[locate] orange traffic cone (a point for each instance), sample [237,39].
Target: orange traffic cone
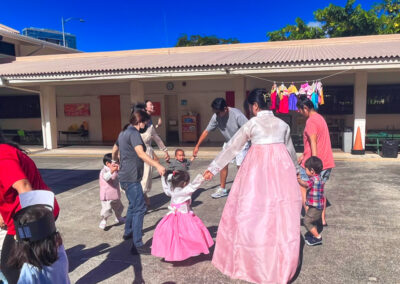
[358,147]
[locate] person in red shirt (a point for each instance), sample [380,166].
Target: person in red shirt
[317,143]
[18,174]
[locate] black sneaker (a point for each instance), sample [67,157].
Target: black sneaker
[145,250]
[127,237]
[313,241]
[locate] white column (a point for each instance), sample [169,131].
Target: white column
[136,92]
[240,89]
[49,120]
[360,104]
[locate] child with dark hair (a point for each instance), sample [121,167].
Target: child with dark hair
[315,199]
[39,250]
[180,234]
[180,163]
[110,194]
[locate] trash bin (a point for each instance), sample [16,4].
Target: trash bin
[390,148]
[347,142]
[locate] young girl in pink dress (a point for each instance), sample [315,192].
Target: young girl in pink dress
[180,234]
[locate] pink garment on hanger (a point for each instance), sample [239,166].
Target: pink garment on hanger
[284,105]
[273,100]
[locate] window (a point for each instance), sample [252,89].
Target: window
[383,99]
[338,100]
[20,106]
[7,48]
[52,40]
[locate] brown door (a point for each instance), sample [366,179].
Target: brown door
[110,117]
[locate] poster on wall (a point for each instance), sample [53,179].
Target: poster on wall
[77,109]
[157,109]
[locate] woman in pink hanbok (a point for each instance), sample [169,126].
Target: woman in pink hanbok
[258,236]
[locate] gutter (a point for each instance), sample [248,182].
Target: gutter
[5,84]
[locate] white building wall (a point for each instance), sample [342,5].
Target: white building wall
[199,95]
[89,93]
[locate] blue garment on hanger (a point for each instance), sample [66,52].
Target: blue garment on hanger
[292,102]
[314,99]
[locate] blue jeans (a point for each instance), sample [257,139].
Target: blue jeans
[136,211]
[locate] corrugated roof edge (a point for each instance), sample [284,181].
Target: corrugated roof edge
[185,67]
[223,47]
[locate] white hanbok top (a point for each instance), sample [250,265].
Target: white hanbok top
[149,135]
[265,128]
[180,195]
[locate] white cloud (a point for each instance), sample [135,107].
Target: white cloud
[315,24]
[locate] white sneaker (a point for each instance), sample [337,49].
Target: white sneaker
[103,224]
[220,192]
[120,220]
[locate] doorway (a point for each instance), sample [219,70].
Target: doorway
[110,117]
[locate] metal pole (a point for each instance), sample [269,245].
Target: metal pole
[63,33]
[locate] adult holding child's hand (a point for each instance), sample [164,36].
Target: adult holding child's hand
[132,158]
[208,175]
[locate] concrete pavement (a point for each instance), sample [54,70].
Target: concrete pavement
[361,243]
[206,152]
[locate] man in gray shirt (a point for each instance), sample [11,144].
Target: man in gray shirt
[228,120]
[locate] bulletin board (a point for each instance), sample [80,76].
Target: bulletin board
[77,109]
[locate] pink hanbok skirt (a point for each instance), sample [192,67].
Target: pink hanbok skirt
[179,236]
[258,237]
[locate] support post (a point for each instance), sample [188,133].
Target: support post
[360,112]
[48,107]
[240,89]
[136,92]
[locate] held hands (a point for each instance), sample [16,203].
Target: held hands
[114,167]
[161,170]
[195,151]
[300,159]
[166,157]
[207,175]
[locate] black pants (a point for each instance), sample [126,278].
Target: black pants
[12,274]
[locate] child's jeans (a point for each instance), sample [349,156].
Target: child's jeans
[107,207]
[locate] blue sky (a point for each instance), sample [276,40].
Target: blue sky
[128,24]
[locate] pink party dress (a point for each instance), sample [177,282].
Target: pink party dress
[258,237]
[180,234]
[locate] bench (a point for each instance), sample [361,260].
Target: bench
[377,139]
[84,134]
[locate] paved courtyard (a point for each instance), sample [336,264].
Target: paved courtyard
[361,243]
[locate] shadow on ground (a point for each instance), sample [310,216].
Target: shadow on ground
[60,180]
[110,265]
